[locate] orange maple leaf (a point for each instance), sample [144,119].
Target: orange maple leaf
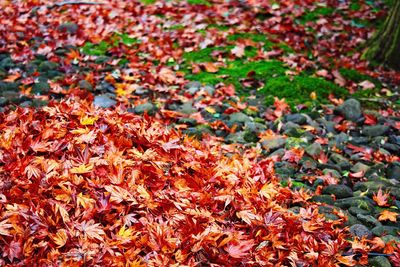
[388,215]
[381,198]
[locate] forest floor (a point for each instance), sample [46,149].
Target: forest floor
[196,133]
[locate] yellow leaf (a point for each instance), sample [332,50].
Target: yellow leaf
[313,96]
[88,120]
[388,215]
[143,192]
[60,238]
[210,110]
[85,201]
[80,131]
[82,168]
[125,232]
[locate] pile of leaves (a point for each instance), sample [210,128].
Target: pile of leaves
[81,185]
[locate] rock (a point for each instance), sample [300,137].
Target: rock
[368,220]
[255,127]
[141,91]
[359,230]
[198,131]
[379,261]
[187,121]
[375,130]
[331,172]
[340,191]
[209,89]
[358,167]
[314,150]
[273,143]
[350,109]
[340,160]
[5,86]
[390,238]
[47,66]
[148,108]
[372,186]
[323,199]
[385,230]
[71,28]
[296,118]
[236,138]
[393,171]
[239,118]
[83,84]
[3,101]
[104,101]
[6,63]
[355,211]
[187,108]
[192,87]
[359,202]
[341,140]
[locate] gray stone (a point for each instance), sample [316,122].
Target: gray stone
[390,238]
[193,84]
[209,89]
[393,171]
[368,220]
[47,66]
[83,84]
[379,261]
[359,230]
[333,173]
[355,211]
[358,167]
[71,28]
[141,91]
[3,101]
[385,230]
[375,130]
[255,126]
[104,101]
[239,118]
[338,190]
[314,150]
[340,160]
[350,109]
[148,108]
[360,202]
[238,138]
[323,199]
[296,118]
[273,143]
[187,108]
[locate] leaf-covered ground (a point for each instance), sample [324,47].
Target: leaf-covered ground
[196,133]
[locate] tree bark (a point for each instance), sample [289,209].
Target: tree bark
[384,47]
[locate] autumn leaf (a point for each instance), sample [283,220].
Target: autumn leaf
[12,77]
[381,198]
[88,120]
[239,250]
[5,228]
[210,67]
[92,230]
[60,238]
[238,50]
[388,215]
[83,168]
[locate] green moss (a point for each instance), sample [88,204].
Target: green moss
[203,55]
[219,27]
[99,49]
[357,77]
[237,70]
[316,14]
[148,2]
[298,90]
[199,2]
[355,5]
[252,36]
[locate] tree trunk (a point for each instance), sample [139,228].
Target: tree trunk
[384,48]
